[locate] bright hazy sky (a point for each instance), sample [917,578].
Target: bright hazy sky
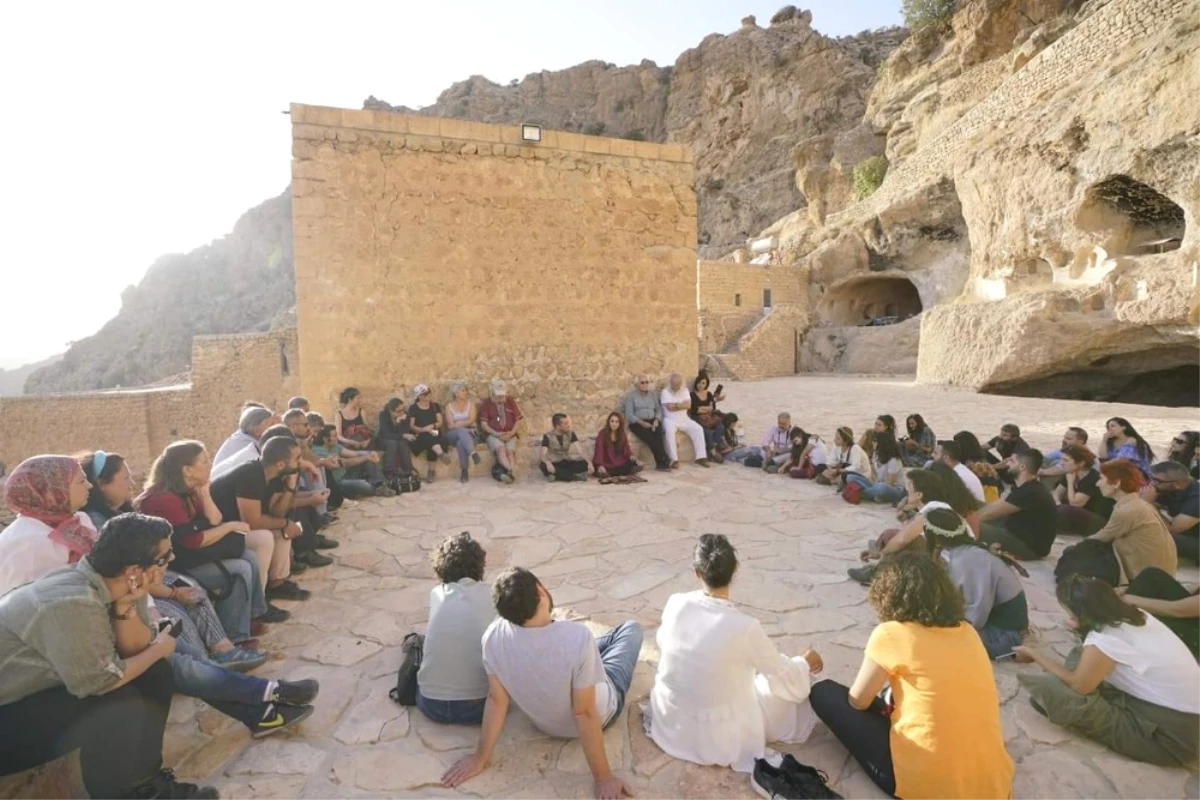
[135,129]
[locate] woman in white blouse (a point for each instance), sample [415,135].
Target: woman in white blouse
[847,458]
[722,690]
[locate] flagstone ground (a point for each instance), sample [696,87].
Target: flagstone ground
[610,553]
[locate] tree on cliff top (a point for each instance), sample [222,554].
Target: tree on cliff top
[920,14]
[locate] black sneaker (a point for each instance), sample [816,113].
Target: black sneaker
[296,693]
[811,781]
[287,590]
[164,785]
[298,567]
[277,718]
[773,783]
[314,559]
[862,574]
[275,614]
[325,543]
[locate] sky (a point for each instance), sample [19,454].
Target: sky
[133,129]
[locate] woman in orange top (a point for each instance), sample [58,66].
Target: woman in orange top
[940,734]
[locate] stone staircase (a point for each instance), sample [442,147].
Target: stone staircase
[767,349]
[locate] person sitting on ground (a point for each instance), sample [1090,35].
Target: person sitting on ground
[976,459]
[723,690]
[1073,437]
[300,403]
[452,684]
[316,423]
[1137,532]
[884,422]
[424,420]
[613,454]
[777,443]
[461,419]
[676,402]
[498,419]
[939,733]
[357,473]
[1174,606]
[1177,495]
[312,473]
[224,556]
[642,408]
[1008,444]
[47,493]
[53,701]
[994,598]
[176,596]
[1025,522]
[568,683]
[846,459]
[950,454]
[801,462]
[352,431]
[244,443]
[1121,440]
[888,486]
[958,496]
[704,411]
[916,448]
[1185,449]
[245,495]
[302,506]
[1130,683]
[1083,509]
[561,456]
[396,439]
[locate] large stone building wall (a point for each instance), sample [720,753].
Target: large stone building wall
[139,423]
[430,250]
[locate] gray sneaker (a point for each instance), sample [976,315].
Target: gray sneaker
[862,574]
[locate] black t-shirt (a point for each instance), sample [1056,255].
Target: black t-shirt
[1089,484]
[246,480]
[1187,503]
[423,417]
[1036,519]
[1017,446]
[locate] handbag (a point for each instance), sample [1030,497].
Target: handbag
[405,693]
[403,484]
[852,493]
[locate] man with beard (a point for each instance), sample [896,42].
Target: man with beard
[568,683]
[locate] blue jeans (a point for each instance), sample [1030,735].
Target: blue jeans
[463,441]
[234,695]
[998,641]
[878,492]
[619,650]
[452,712]
[714,436]
[246,599]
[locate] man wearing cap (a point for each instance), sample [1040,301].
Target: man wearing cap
[642,408]
[498,418]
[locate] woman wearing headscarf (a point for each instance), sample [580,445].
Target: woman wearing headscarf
[50,531]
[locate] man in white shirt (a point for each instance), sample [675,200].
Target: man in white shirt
[243,444]
[951,455]
[676,402]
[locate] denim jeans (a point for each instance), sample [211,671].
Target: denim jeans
[233,694]
[714,436]
[998,641]
[878,492]
[619,650]
[463,440]
[246,599]
[311,484]
[452,712]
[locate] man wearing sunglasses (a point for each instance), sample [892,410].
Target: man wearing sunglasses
[643,411]
[1177,495]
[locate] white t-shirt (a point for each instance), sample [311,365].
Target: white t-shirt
[681,396]
[892,467]
[27,552]
[971,480]
[818,455]
[1153,664]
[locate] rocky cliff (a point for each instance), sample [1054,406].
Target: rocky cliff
[239,283]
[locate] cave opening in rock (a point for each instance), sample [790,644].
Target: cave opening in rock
[1134,218]
[875,299]
[1167,375]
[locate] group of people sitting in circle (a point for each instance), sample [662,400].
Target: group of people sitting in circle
[114,598]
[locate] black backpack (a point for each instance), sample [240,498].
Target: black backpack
[405,693]
[1092,558]
[403,484]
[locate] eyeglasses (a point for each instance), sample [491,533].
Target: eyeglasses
[162,560]
[643,383]
[1179,440]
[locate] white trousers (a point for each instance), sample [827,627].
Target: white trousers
[691,429]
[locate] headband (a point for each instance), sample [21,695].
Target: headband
[961,530]
[99,459]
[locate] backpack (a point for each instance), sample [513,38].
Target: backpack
[405,693]
[754,460]
[403,484]
[1092,558]
[852,493]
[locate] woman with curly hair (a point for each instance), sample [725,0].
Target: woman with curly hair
[938,734]
[1129,684]
[451,684]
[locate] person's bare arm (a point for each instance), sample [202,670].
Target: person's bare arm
[1089,673]
[252,512]
[997,510]
[591,740]
[1181,523]
[544,455]
[908,534]
[494,711]
[1184,608]
[207,505]
[137,664]
[867,684]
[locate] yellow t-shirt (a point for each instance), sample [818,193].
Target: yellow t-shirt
[946,737]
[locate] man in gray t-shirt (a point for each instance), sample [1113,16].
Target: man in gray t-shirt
[567,682]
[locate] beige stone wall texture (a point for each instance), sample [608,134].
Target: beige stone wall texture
[430,250]
[138,424]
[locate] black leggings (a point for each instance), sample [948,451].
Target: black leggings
[563,470]
[866,734]
[1153,583]
[119,734]
[425,443]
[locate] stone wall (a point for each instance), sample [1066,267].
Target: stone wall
[139,423]
[430,250]
[731,298]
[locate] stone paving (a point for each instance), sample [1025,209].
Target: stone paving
[610,553]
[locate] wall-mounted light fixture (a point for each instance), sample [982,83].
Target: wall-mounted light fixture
[531,133]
